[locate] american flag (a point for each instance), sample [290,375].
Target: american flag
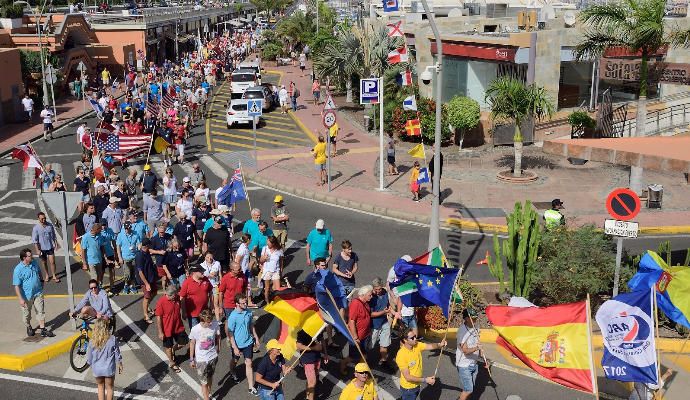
[121,147]
[166,102]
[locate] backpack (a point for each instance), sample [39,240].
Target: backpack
[296,94]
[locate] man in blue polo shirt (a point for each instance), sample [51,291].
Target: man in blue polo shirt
[92,249]
[319,243]
[128,242]
[29,289]
[259,240]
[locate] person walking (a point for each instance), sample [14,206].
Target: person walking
[170,328]
[311,352]
[45,243]
[333,137]
[217,243]
[280,217]
[204,341]
[380,323]
[93,251]
[414,184]
[232,284]
[28,287]
[319,153]
[242,258]
[283,98]
[390,155]
[431,169]
[410,363]
[103,355]
[212,271]
[316,91]
[359,324]
[155,213]
[345,266]
[47,116]
[47,177]
[294,94]
[242,338]
[174,264]
[128,243]
[148,182]
[269,371]
[467,355]
[319,243]
[195,295]
[271,266]
[28,104]
[146,271]
[362,387]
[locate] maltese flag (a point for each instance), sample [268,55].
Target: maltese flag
[398,55]
[395,30]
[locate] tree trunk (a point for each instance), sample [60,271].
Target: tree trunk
[517,145]
[348,85]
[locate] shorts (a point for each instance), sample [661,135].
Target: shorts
[112,260]
[48,126]
[161,272]
[317,95]
[205,370]
[390,159]
[354,353]
[334,139]
[180,149]
[247,353]
[179,338]
[410,322]
[85,198]
[301,67]
[152,293]
[95,270]
[170,198]
[409,394]
[468,375]
[45,253]
[215,291]
[381,335]
[320,167]
[311,370]
[270,276]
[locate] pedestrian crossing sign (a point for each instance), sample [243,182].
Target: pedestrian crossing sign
[330,104]
[254,108]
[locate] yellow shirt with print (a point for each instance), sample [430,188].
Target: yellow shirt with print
[352,392]
[412,361]
[333,130]
[320,153]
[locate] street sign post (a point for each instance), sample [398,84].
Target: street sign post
[63,205]
[623,205]
[371,92]
[51,78]
[82,69]
[329,120]
[255,110]
[329,104]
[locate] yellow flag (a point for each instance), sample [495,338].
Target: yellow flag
[159,145]
[417,151]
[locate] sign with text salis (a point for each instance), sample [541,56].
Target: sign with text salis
[623,204]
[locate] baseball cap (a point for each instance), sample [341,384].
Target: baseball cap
[362,367]
[114,199]
[147,167]
[556,202]
[278,199]
[186,179]
[320,224]
[215,211]
[273,344]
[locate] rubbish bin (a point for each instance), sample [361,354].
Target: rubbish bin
[655,196]
[367,123]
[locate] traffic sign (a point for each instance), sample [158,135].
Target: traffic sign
[369,91]
[329,118]
[50,74]
[621,228]
[254,107]
[330,104]
[623,204]
[81,67]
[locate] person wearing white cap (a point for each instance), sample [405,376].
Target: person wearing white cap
[283,99]
[319,243]
[113,216]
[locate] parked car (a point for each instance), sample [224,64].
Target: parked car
[237,113]
[251,65]
[260,92]
[241,81]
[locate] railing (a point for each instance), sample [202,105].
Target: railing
[659,121]
[149,16]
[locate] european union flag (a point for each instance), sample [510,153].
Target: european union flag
[420,285]
[331,314]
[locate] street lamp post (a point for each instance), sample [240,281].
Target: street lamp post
[40,49]
[434,226]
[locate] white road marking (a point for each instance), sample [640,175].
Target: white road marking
[4,177]
[57,167]
[187,168]
[25,221]
[153,346]
[74,375]
[214,166]
[19,241]
[22,204]
[70,386]
[28,179]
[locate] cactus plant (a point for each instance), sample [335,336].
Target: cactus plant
[495,264]
[522,247]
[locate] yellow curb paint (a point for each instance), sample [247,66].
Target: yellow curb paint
[304,128]
[276,72]
[665,230]
[462,224]
[22,363]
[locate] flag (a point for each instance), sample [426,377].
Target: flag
[417,151]
[114,85]
[413,127]
[405,78]
[331,315]
[420,285]
[96,107]
[395,30]
[121,147]
[398,55]
[160,144]
[423,175]
[553,341]
[672,286]
[410,103]
[97,166]
[297,311]
[627,325]
[390,5]
[28,157]
[232,193]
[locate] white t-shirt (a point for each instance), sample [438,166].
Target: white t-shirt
[28,104]
[47,116]
[208,269]
[186,206]
[243,251]
[169,186]
[469,337]
[205,346]
[273,262]
[201,192]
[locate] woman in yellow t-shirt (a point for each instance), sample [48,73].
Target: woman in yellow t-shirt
[414,185]
[319,152]
[333,133]
[360,388]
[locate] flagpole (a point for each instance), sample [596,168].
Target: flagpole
[450,316]
[313,339]
[153,133]
[656,329]
[246,191]
[595,386]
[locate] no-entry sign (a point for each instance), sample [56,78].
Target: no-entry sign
[623,204]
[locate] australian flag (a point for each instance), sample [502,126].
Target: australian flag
[390,5]
[234,191]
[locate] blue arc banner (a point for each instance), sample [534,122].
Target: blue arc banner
[627,327]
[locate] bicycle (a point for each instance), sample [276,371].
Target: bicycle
[80,346]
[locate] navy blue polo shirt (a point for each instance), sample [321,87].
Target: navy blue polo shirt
[184,232]
[174,260]
[160,243]
[144,264]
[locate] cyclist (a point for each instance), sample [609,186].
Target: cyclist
[94,304]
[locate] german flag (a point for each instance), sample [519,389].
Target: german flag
[297,311]
[413,127]
[553,341]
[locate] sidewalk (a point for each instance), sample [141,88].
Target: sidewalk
[473,198]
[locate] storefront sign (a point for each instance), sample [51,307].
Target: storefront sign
[629,71]
[476,51]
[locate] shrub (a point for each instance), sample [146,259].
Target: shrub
[581,119]
[271,51]
[12,11]
[427,115]
[433,318]
[574,262]
[463,113]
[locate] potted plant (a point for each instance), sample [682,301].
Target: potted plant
[11,15]
[582,125]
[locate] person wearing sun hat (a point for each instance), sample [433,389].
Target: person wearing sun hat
[268,373]
[362,387]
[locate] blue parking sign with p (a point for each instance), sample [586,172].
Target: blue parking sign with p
[369,91]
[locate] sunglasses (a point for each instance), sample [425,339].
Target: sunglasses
[93,287]
[412,338]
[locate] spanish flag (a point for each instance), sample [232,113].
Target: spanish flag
[413,127]
[297,311]
[553,341]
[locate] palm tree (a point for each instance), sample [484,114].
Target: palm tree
[636,25]
[298,27]
[513,100]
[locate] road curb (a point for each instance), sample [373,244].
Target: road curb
[21,363]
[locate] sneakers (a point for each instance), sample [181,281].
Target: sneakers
[46,333]
[133,290]
[253,392]
[125,290]
[30,331]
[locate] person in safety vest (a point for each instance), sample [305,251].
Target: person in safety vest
[553,217]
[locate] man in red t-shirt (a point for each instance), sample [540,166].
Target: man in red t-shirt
[195,294]
[359,324]
[233,283]
[170,327]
